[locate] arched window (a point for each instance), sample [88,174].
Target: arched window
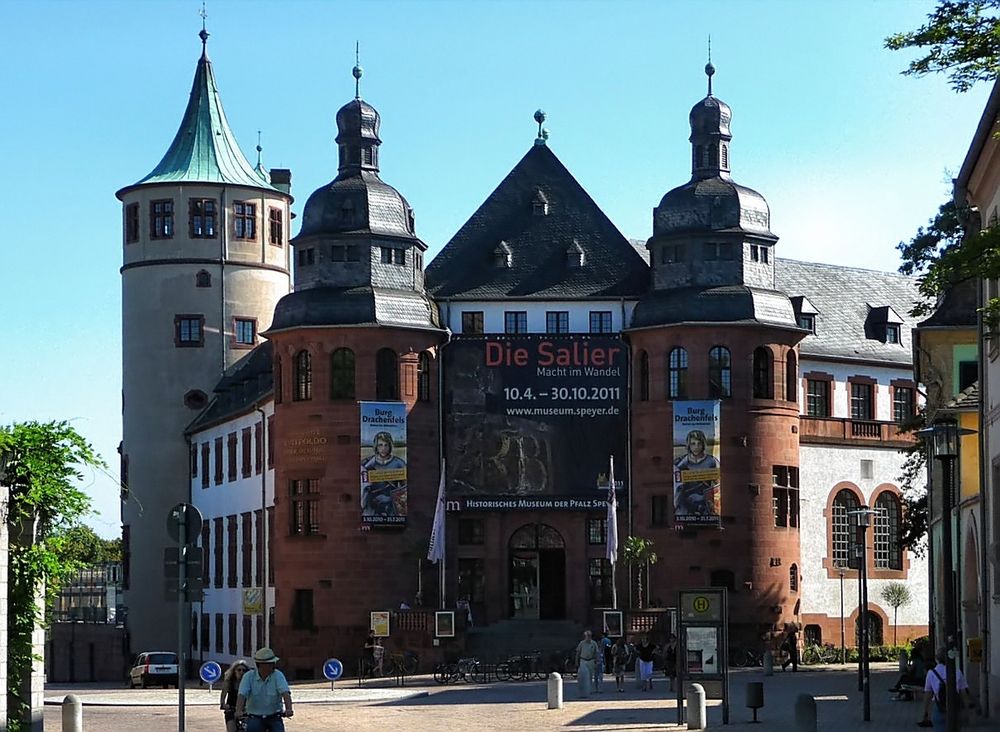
[874,629]
[793,578]
[677,367]
[276,378]
[203,279]
[303,377]
[725,156]
[342,374]
[386,375]
[424,377]
[791,377]
[888,548]
[643,376]
[763,374]
[720,372]
[842,527]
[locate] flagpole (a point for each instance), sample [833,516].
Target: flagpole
[612,531]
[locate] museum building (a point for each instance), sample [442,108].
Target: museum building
[539,346]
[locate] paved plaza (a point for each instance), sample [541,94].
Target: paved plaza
[424,705]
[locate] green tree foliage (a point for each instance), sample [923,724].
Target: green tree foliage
[79,545]
[896,595]
[44,502]
[638,552]
[960,39]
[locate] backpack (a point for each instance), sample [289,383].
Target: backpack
[939,699]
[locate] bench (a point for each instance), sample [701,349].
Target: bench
[911,692]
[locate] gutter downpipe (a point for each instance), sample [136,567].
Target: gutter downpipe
[984,532]
[265,617]
[223,251]
[442,575]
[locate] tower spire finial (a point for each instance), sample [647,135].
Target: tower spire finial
[357,70]
[259,149]
[204,33]
[709,68]
[543,134]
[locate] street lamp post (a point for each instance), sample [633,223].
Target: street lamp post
[864,521]
[843,644]
[942,443]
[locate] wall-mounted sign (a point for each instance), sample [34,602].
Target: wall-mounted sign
[444,624]
[253,601]
[613,623]
[383,463]
[380,623]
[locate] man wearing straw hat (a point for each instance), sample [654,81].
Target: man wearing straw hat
[261,695]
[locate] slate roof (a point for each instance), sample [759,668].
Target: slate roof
[539,268]
[845,297]
[204,150]
[364,306]
[967,400]
[729,304]
[957,308]
[248,382]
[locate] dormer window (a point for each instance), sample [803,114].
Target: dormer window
[807,321]
[892,333]
[540,204]
[884,324]
[347,212]
[502,256]
[574,255]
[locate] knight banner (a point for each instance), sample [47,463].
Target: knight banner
[383,463]
[697,474]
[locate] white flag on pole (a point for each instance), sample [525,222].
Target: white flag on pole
[435,552]
[612,553]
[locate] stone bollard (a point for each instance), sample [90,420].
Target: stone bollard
[755,697]
[768,663]
[805,713]
[904,662]
[72,714]
[555,688]
[696,707]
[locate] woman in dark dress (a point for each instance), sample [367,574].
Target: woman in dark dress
[230,690]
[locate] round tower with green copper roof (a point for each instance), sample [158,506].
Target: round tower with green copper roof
[205,260]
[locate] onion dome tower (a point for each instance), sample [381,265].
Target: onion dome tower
[359,327]
[205,260]
[715,328]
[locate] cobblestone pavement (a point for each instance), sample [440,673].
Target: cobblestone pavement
[515,706]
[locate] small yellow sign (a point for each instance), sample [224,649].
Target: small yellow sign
[380,624]
[701,604]
[253,601]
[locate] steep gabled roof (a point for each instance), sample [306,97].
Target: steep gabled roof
[204,149]
[538,210]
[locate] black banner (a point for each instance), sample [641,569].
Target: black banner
[534,419]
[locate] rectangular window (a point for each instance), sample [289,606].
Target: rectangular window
[219,633]
[807,321]
[660,513]
[765,254]
[902,403]
[862,401]
[597,530]
[711,251]
[245,331]
[399,256]
[206,548]
[219,558]
[202,218]
[305,506]
[600,321]
[385,254]
[231,546]
[472,579]
[968,374]
[244,220]
[258,447]
[270,543]
[892,333]
[232,634]
[276,226]
[231,455]
[247,635]
[754,253]
[302,610]
[193,459]
[817,398]
[189,331]
[218,460]
[472,322]
[470,532]
[338,253]
[206,619]
[247,549]
[726,250]
[599,572]
[785,496]
[206,457]
[132,223]
[557,321]
[515,322]
[126,556]
[245,454]
[307,256]
[353,253]
[270,441]
[258,516]
[161,219]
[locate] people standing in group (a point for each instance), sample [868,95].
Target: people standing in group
[670,660]
[619,661]
[646,652]
[790,645]
[230,690]
[264,697]
[586,662]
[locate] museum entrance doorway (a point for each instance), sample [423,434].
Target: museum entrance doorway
[537,573]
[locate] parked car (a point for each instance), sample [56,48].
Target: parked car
[154,668]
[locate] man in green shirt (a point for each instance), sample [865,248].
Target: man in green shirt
[261,695]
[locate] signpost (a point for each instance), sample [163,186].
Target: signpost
[333,669]
[184,526]
[210,672]
[702,646]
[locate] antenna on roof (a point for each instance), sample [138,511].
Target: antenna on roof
[357,70]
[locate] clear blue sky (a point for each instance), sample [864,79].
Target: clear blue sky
[851,156]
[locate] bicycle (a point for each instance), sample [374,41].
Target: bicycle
[404,663]
[814,654]
[746,658]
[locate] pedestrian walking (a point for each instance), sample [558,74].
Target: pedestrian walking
[619,661]
[646,651]
[586,661]
[230,690]
[670,660]
[602,648]
[263,692]
[791,646]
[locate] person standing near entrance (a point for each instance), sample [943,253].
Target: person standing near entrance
[586,661]
[646,652]
[262,693]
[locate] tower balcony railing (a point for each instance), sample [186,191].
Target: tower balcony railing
[840,430]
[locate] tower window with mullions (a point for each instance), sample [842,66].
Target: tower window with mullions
[244,220]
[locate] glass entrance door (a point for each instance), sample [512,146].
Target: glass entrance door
[524,584]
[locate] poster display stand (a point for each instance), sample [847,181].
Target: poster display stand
[702,655]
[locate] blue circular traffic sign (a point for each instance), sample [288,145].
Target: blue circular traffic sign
[332,669]
[210,672]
